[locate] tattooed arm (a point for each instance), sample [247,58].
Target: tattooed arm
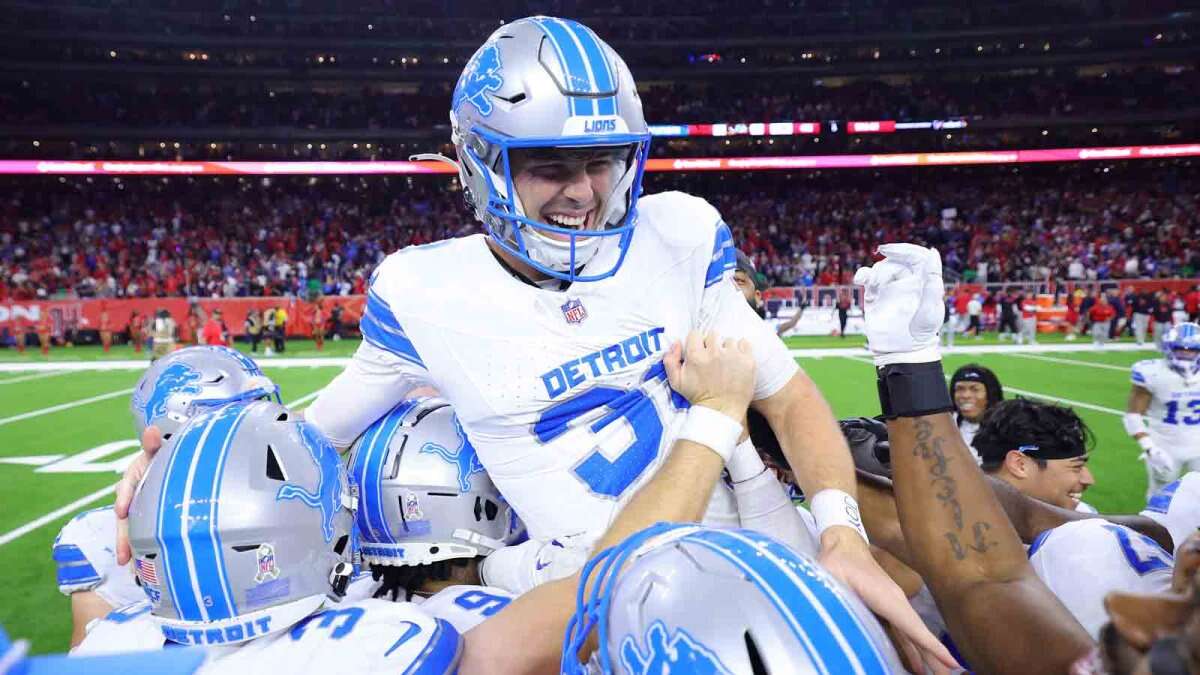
[999,613]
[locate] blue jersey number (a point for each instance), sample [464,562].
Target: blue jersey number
[339,622]
[486,603]
[602,475]
[1147,557]
[1173,412]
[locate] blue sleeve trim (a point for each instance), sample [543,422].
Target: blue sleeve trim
[1160,502]
[73,574]
[441,653]
[724,256]
[1137,377]
[380,327]
[68,553]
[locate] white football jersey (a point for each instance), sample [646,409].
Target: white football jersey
[367,636]
[562,393]
[1173,417]
[1083,560]
[466,606]
[84,552]
[1177,507]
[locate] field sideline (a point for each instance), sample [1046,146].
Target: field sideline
[66,433]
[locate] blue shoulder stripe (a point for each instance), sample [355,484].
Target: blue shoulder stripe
[380,327]
[73,573]
[1160,502]
[1037,542]
[724,256]
[1137,376]
[441,653]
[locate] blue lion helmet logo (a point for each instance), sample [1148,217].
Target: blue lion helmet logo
[677,653]
[327,498]
[481,76]
[464,457]
[177,378]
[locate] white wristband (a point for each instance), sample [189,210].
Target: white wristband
[712,429]
[834,507]
[1145,442]
[745,462]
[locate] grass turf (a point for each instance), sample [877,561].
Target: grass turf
[31,606]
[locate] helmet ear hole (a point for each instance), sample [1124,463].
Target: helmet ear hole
[341,544]
[756,663]
[283,417]
[274,470]
[490,509]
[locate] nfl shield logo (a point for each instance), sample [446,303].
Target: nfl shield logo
[266,564]
[573,311]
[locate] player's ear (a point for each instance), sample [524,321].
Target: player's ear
[1142,619]
[1017,464]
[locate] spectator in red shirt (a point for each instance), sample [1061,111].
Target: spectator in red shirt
[1192,304]
[1101,315]
[213,333]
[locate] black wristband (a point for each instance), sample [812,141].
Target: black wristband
[913,390]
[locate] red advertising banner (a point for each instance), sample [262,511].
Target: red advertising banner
[58,316]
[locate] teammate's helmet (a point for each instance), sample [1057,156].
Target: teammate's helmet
[779,612]
[542,82]
[1181,347]
[242,525]
[423,495]
[187,381]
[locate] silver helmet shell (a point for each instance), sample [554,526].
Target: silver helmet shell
[189,380]
[1181,348]
[239,523]
[544,82]
[423,495]
[779,611]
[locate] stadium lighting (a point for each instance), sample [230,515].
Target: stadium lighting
[679,164]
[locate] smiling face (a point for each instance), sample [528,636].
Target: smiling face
[564,187]
[1061,482]
[971,399]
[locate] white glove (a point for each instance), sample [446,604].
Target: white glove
[904,304]
[1159,462]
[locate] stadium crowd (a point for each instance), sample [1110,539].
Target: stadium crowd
[215,237]
[419,107]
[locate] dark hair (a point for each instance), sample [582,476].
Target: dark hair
[397,580]
[1051,431]
[973,372]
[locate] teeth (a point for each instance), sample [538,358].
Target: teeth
[568,221]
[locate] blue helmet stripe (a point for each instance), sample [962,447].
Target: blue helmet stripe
[374,457]
[172,561]
[190,553]
[214,512]
[724,257]
[574,67]
[816,614]
[602,75]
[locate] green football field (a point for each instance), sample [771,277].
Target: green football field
[65,435]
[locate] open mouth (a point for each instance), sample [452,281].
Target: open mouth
[568,221]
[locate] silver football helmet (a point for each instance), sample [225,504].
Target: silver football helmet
[651,604]
[423,495]
[189,380]
[242,525]
[543,82]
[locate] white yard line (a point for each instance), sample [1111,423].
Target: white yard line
[981,349]
[1073,362]
[56,514]
[271,362]
[88,499]
[1033,394]
[65,406]
[35,376]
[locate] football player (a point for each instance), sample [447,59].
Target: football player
[173,390]
[1039,448]
[1176,506]
[428,513]
[1166,393]
[961,541]
[547,333]
[242,537]
[974,389]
